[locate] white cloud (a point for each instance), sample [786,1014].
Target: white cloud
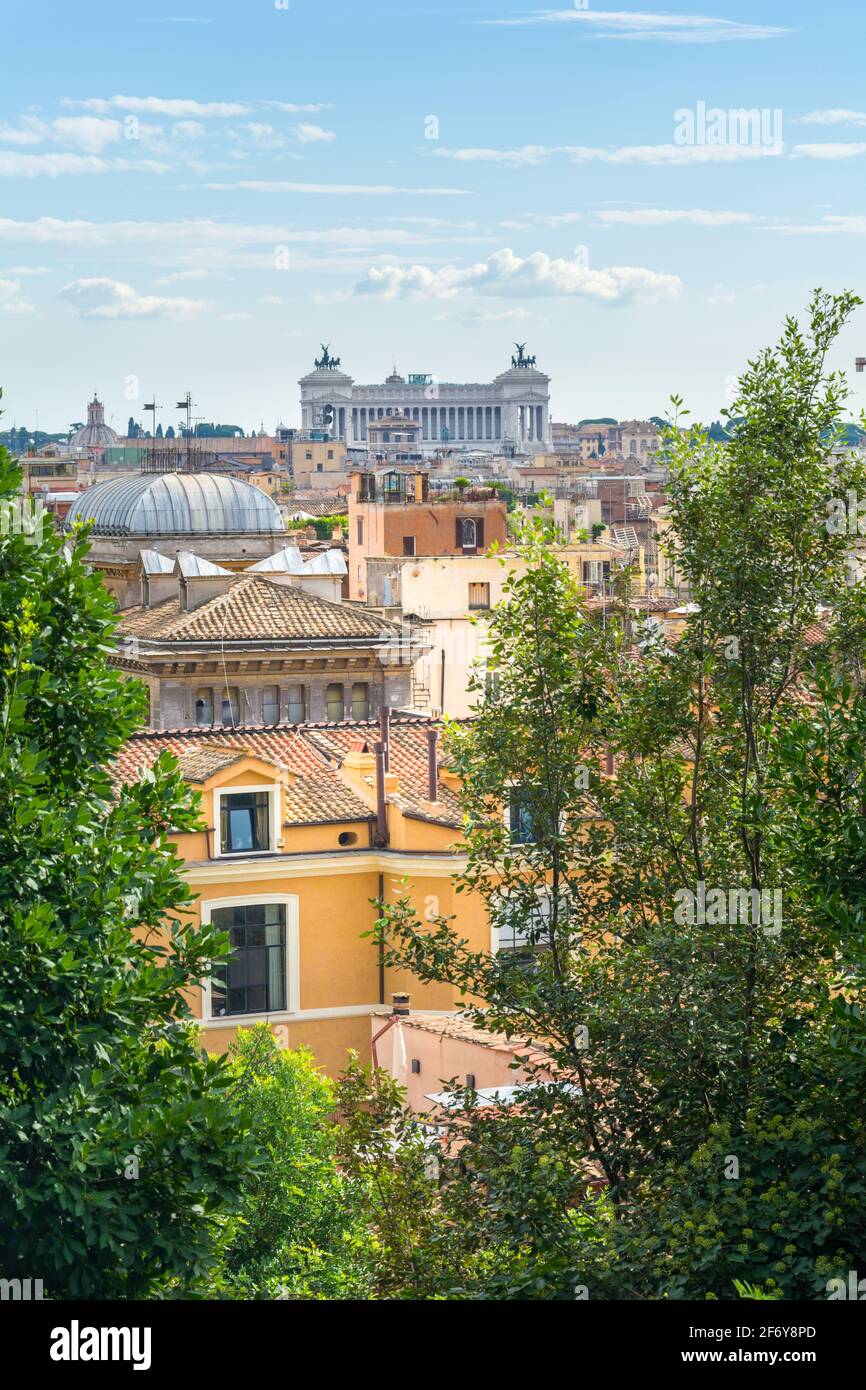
[102,298]
[663,217]
[308,134]
[30,132]
[507,274]
[12,300]
[292,108]
[670,28]
[350,189]
[188,130]
[626,154]
[264,135]
[526,154]
[171,279]
[162,106]
[835,116]
[829,150]
[195,234]
[88,133]
[32,166]
[830,223]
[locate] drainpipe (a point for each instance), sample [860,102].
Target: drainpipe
[381,808]
[382,945]
[385,729]
[432,768]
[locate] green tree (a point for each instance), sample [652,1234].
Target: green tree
[117,1150]
[298,1233]
[694,974]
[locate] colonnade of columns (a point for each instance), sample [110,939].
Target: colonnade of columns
[466,423]
[521,423]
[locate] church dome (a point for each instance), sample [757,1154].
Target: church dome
[172,504]
[95,434]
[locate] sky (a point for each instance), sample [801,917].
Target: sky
[197,194]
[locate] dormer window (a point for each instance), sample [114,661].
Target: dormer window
[246,820]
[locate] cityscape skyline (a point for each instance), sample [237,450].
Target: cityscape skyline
[207,217]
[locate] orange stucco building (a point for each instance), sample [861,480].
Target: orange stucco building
[304,827]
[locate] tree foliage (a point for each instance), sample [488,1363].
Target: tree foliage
[116,1148]
[689,931]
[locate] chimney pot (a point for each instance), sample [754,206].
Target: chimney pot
[400,1005]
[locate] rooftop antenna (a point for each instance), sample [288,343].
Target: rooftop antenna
[152,407]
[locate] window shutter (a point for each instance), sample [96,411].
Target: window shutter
[458,538]
[479,532]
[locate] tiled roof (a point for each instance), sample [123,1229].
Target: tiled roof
[329,505]
[314,753]
[318,794]
[408,760]
[254,607]
[200,762]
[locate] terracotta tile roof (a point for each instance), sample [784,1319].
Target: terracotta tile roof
[318,795]
[198,763]
[254,607]
[408,761]
[315,754]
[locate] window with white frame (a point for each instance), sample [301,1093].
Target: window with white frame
[523,927]
[262,974]
[245,818]
[253,979]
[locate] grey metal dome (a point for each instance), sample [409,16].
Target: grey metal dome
[172,504]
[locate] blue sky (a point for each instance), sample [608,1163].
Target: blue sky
[196,194]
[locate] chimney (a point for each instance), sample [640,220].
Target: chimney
[432,768]
[400,1005]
